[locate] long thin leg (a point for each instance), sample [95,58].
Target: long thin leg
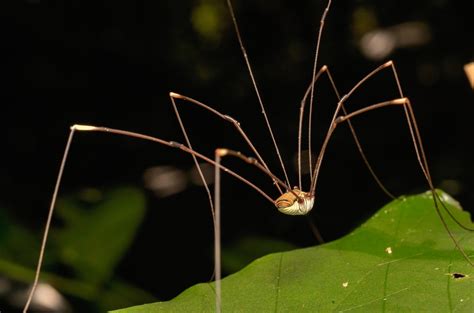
[225,117]
[325,69]
[415,134]
[48,221]
[228,152]
[170,144]
[358,144]
[418,149]
[174,144]
[421,153]
[300,125]
[219,153]
[254,83]
[341,102]
[196,163]
[315,230]
[215,219]
[217,230]
[313,77]
[423,162]
[421,159]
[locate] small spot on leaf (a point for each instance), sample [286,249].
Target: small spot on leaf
[458,275]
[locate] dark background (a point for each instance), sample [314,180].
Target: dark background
[113,63]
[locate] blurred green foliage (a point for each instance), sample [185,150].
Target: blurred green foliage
[87,240]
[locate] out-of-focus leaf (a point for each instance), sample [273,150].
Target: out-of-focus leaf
[90,233]
[17,243]
[401,260]
[93,241]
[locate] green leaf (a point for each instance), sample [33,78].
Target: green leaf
[97,229]
[401,260]
[116,292]
[17,243]
[247,249]
[93,241]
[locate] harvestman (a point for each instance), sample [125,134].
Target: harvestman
[292,201]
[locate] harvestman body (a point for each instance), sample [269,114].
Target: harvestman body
[292,201]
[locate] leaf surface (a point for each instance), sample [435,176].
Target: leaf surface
[400,260]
